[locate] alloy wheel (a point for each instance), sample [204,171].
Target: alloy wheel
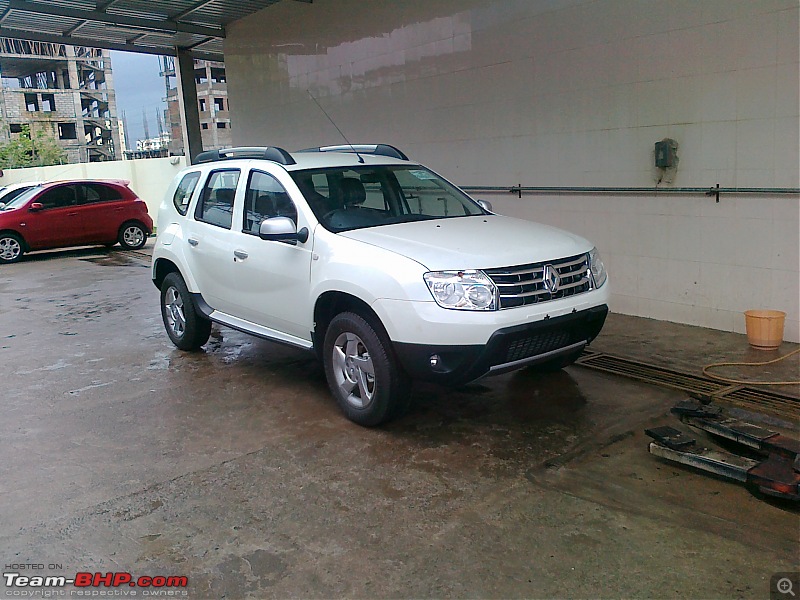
[353,370]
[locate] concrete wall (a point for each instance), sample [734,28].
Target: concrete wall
[149,177]
[565,93]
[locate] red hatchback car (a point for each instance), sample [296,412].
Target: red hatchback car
[73,213]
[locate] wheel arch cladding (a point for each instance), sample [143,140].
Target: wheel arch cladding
[164,267]
[330,304]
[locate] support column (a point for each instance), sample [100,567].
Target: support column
[75,86]
[187,104]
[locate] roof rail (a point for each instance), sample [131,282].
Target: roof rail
[273,153]
[379,149]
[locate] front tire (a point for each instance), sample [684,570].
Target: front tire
[187,329]
[132,235]
[362,372]
[11,248]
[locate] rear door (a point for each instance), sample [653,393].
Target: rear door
[101,210]
[210,246]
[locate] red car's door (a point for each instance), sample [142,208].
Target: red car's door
[56,223]
[101,211]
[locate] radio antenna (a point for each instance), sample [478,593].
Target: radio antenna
[344,137]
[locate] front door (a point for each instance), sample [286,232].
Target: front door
[272,278]
[58,223]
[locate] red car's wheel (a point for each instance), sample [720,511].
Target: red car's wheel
[132,235]
[11,247]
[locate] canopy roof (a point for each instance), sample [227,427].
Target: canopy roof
[131,25]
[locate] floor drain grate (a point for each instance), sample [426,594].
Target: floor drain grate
[749,397]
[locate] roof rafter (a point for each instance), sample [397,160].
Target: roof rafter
[168,25]
[191,9]
[35,36]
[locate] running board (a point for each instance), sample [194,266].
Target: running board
[247,326]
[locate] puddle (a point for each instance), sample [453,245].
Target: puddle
[116,260]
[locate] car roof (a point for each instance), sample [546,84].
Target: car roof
[322,160]
[303,160]
[49,184]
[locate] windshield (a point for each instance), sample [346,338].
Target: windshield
[18,197]
[346,198]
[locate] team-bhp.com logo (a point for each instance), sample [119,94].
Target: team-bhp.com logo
[151,586]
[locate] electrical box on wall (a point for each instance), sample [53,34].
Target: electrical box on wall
[665,154]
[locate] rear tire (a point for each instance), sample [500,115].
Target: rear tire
[362,372]
[11,248]
[132,235]
[187,328]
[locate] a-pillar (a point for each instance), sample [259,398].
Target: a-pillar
[187,104]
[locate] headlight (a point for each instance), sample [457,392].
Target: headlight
[462,290]
[599,274]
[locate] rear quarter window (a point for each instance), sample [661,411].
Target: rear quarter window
[94,192]
[183,194]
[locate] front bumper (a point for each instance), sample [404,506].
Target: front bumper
[508,348]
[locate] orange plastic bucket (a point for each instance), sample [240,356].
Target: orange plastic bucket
[764,328]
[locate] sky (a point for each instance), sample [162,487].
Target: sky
[139,87]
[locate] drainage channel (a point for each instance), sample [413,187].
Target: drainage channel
[747,397]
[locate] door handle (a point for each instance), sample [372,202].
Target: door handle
[192,241]
[72,214]
[240,254]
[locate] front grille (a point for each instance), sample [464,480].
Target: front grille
[525,284]
[536,344]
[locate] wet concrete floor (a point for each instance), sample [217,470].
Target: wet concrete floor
[233,466]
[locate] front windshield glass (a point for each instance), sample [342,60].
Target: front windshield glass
[20,199]
[346,198]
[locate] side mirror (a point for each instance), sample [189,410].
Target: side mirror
[485,205]
[36,206]
[281,229]
[2,205]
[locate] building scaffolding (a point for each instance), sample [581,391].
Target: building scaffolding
[66,92]
[212,97]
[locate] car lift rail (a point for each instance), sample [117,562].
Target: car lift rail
[775,472]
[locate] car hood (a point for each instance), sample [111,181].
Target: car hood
[480,242]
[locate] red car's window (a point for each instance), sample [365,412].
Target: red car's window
[59,197]
[97,192]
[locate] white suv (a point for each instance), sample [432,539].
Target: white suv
[382,267]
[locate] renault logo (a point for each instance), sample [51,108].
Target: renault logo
[551,279]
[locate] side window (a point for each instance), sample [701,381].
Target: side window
[216,203]
[265,198]
[60,197]
[183,194]
[106,193]
[92,193]
[88,195]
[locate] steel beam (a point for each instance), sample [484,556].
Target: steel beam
[34,36]
[167,25]
[191,9]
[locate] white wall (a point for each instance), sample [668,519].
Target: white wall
[565,93]
[149,177]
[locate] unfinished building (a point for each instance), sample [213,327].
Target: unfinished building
[66,92]
[212,100]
